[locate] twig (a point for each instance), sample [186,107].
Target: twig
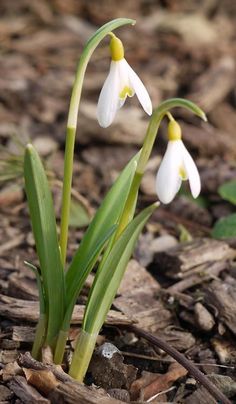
[192,369]
[158,359]
[9,245]
[159,394]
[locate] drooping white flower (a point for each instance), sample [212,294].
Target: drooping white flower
[121,82]
[177,166]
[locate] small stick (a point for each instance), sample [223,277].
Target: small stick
[158,359]
[192,369]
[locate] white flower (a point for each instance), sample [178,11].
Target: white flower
[121,82]
[177,165]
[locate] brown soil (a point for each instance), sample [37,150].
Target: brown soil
[181,283]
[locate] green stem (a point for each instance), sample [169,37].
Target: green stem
[154,124]
[66,192]
[39,336]
[72,124]
[83,352]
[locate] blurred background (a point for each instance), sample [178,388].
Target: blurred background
[183,48]
[179,48]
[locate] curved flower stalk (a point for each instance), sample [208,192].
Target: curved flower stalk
[91,45]
[177,166]
[52,256]
[121,82]
[155,121]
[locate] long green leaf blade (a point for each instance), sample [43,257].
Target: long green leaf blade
[89,265]
[110,275]
[45,234]
[107,215]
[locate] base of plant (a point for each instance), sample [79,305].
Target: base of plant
[60,347]
[82,355]
[39,337]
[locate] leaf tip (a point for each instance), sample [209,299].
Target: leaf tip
[29,146]
[154,205]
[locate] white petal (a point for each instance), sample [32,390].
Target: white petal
[124,80]
[121,102]
[108,102]
[192,172]
[168,180]
[140,90]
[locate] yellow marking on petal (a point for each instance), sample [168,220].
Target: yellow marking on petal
[183,174]
[126,91]
[116,48]
[174,130]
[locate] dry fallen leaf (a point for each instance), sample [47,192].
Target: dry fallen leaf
[43,380]
[150,384]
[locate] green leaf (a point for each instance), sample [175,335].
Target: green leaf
[228,191]
[42,303]
[87,269]
[79,215]
[110,275]
[107,215]
[225,227]
[45,233]
[184,235]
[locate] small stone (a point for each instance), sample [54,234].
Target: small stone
[221,328]
[11,369]
[203,317]
[5,394]
[7,356]
[109,371]
[45,145]
[148,185]
[225,350]
[163,243]
[120,394]
[149,246]
[30,239]
[9,344]
[107,350]
[225,383]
